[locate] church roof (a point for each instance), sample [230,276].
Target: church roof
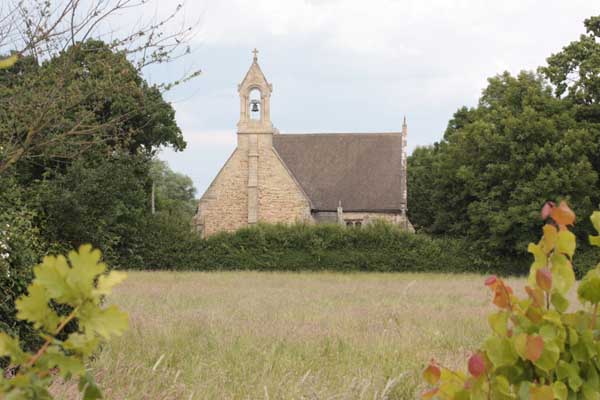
[362,170]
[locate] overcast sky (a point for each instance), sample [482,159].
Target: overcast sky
[354,66]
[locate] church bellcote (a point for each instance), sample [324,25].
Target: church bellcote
[255,95]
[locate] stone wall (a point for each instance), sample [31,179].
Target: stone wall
[223,207]
[228,203]
[280,198]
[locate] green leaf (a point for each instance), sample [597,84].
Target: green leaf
[500,388]
[88,386]
[500,351]
[573,336]
[499,322]
[589,392]
[539,263]
[10,347]
[549,357]
[559,302]
[52,274]
[560,390]
[68,365]
[34,308]
[595,218]
[553,317]
[81,343]
[107,322]
[589,288]
[566,243]
[86,266]
[562,273]
[523,393]
[569,372]
[106,282]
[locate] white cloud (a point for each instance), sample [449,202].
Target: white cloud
[356,65]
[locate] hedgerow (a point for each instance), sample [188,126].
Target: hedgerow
[379,247]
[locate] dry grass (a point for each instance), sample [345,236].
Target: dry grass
[250,335]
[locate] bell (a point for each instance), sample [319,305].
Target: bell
[254,106]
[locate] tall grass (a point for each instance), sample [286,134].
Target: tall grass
[267,335]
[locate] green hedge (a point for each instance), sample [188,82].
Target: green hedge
[378,247]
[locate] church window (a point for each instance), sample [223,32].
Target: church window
[353,223]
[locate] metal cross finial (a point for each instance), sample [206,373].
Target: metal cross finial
[255,54]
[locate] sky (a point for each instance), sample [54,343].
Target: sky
[353,66]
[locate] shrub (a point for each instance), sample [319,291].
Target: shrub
[20,248]
[536,350]
[379,247]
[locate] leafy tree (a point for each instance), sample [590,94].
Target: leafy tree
[96,201]
[87,97]
[575,71]
[174,192]
[575,74]
[501,160]
[50,111]
[422,191]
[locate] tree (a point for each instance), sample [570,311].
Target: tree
[518,148]
[86,97]
[54,101]
[422,209]
[98,201]
[575,72]
[175,192]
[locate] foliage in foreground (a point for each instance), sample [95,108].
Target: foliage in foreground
[537,350]
[76,285]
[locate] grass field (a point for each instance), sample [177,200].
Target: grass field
[250,335]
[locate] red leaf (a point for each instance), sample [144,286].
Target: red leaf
[502,294]
[432,373]
[543,277]
[534,347]
[547,209]
[476,365]
[491,280]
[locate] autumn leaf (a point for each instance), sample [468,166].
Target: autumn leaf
[536,295]
[477,365]
[432,373]
[562,214]
[547,209]
[549,239]
[543,278]
[534,347]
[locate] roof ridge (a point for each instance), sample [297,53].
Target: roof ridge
[339,133]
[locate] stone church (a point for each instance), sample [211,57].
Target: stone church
[350,179]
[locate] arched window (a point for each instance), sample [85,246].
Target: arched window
[255,104]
